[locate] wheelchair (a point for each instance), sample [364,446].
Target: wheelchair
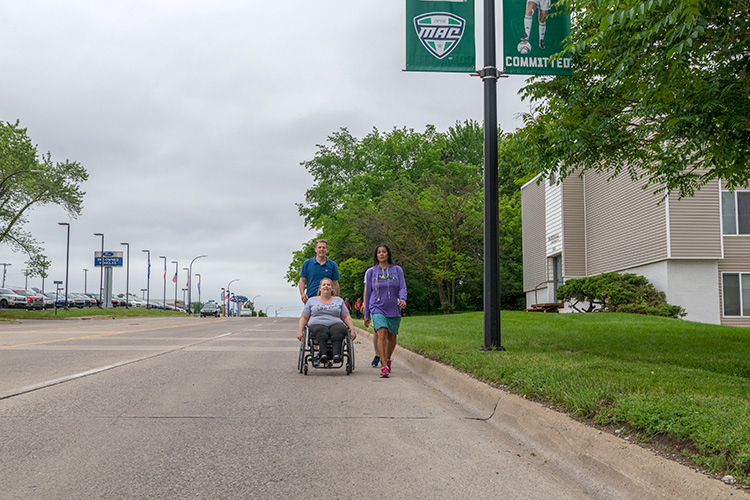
[309,349]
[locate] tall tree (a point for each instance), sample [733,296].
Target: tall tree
[660,90]
[56,184]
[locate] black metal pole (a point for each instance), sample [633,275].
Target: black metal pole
[491,205]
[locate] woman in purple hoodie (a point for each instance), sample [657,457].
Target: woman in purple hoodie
[384,298]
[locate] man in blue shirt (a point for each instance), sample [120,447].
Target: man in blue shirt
[315,269]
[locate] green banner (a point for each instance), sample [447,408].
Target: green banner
[532,34]
[440,36]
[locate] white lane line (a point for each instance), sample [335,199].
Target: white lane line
[94,371]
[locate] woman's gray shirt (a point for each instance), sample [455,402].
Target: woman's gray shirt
[325,314]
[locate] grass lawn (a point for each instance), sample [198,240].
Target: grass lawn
[658,378]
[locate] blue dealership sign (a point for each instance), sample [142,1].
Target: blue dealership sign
[111,259]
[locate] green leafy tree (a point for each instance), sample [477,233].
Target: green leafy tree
[420,193]
[56,184]
[660,90]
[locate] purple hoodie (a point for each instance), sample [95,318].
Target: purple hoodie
[384,288]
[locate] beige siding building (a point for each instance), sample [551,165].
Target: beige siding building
[696,250]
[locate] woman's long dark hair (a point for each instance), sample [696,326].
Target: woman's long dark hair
[375,255]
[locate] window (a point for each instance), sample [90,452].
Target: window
[735,212]
[736,294]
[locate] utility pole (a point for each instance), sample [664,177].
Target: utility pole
[4,267]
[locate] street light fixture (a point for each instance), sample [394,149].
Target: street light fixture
[190,287]
[101,272]
[165,280]
[148,278]
[227,296]
[127,277]
[67,262]
[268,309]
[16,173]
[252,301]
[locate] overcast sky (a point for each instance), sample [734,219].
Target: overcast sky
[192,118]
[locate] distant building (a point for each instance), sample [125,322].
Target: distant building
[696,250]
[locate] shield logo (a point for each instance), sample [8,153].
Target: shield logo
[439,32]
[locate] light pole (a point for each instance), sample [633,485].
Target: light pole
[5,267]
[101,272]
[253,302]
[143,290]
[85,280]
[199,287]
[187,309]
[127,276]
[175,282]
[165,280]
[148,278]
[227,296]
[190,288]
[268,309]
[67,262]
[276,312]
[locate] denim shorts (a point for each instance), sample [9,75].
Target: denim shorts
[382,321]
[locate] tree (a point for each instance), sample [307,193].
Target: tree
[57,183]
[660,90]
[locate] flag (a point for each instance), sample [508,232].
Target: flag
[528,45]
[440,36]
[174,280]
[199,287]
[149,268]
[222,295]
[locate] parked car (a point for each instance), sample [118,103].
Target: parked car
[78,300]
[245,312]
[49,303]
[10,299]
[95,297]
[33,299]
[116,302]
[59,300]
[211,309]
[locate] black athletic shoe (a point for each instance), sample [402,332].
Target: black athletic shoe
[323,359]
[541,44]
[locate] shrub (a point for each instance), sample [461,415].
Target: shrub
[615,292]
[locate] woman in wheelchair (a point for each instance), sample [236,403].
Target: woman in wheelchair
[327,317]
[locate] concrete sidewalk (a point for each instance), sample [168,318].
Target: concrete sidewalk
[584,450]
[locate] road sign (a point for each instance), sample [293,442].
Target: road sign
[111,259]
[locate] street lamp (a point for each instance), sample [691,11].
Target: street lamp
[276,312]
[127,277]
[165,280]
[142,295]
[175,282]
[16,173]
[85,280]
[199,286]
[227,296]
[148,278]
[101,272]
[268,309]
[67,262]
[252,301]
[187,308]
[190,288]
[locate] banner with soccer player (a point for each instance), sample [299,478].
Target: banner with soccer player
[440,36]
[532,34]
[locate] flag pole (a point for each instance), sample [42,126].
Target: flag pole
[489,76]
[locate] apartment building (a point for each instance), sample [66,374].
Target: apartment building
[696,250]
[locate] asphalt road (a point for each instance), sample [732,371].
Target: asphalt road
[215,408]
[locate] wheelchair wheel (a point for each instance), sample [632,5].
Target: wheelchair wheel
[350,349]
